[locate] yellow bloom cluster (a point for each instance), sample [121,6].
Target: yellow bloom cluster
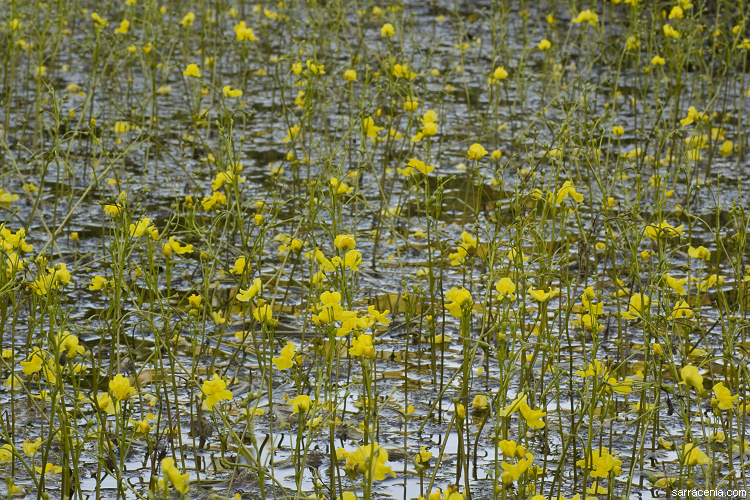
[243,33]
[369,460]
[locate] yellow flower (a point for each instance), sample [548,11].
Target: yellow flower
[29,448]
[99,21]
[506,289]
[293,132]
[228,91]
[70,343]
[315,69]
[699,253]
[192,70]
[345,242]
[512,473]
[264,313]
[387,30]
[227,177]
[34,364]
[215,391]
[512,255]
[691,377]
[120,387]
[174,246]
[240,266]
[479,402]
[514,406]
[330,300]
[631,43]
[411,104]
[188,19]
[710,281]
[541,295]
[368,125]
[423,456]
[676,12]
[137,230]
[142,426]
[682,310]
[300,404]
[181,482]
[618,130]
[362,346]
[123,28]
[285,360]
[602,463]
[657,61]
[511,450]
[380,317]
[587,301]
[594,368]
[255,289]
[468,241]
[589,322]
[195,301]
[352,260]
[6,453]
[420,166]
[340,186]
[668,445]
[676,284]
[370,460]
[692,455]
[350,75]
[533,418]
[692,115]
[406,172]
[639,304]
[567,189]
[244,33]
[544,44]
[98,282]
[48,469]
[670,32]
[498,74]
[476,152]
[104,402]
[216,197]
[460,302]
[586,16]
[726,148]
[657,348]
[623,387]
[113,210]
[60,274]
[724,399]
[664,228]
[43,283]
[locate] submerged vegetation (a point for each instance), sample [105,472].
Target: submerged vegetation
[348,250]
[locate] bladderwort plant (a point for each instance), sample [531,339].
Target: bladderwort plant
[346,249]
